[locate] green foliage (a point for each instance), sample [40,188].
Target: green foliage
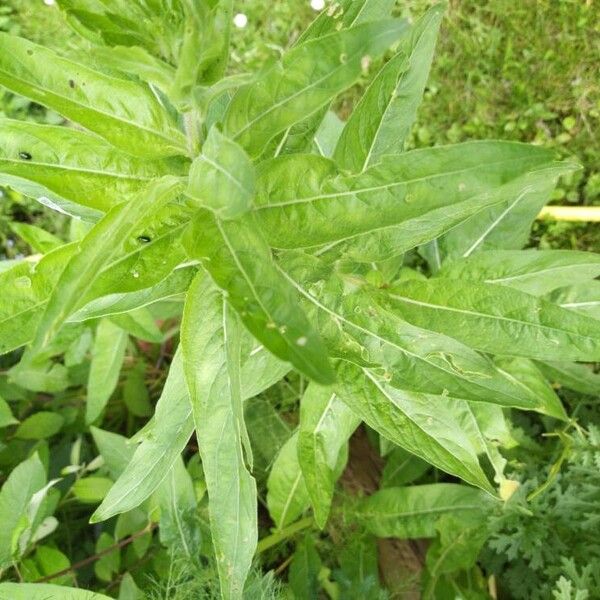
[227,228]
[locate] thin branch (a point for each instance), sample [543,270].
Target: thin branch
[90,559]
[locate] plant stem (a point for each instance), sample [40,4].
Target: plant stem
[283,534]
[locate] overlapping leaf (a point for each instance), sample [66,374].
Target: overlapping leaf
[308,77]
[382,120]
[211,354]
[68,164]
[240,262]
[404,201]
[125,113]
[497,319]
[536,272]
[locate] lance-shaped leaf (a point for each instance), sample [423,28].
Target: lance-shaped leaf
[74,165]
[155,456]
[124,112]
[241,264]
[204,49]
[155,25]
[383,118]
[345,14]
[287,496]
[46,591]
[26,288]
[419,423]
[524,374]
[326,424]
[402,467]
[573,376]
[357,328]
[497,319]
[127,281]
[400,203]
[307,78]
[222,178]
[536,272]
[107,358]
[506,226]
[583,298]
[38,239]
[412,512]
[97,249]
[171,288]
[24,481]
[211,349]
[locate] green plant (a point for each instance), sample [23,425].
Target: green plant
[289,234]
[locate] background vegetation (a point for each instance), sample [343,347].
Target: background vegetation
[514,70]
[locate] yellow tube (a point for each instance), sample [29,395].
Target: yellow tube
[589,214]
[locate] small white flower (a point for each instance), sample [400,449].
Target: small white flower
[317,4]
[49,2]
[240,20]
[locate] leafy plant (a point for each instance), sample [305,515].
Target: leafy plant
[288,234]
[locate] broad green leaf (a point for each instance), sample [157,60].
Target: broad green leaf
[98,248]
[241,264]
[326,424]
[40,425]
[346,13]
[114,449]
[328,134]
[74,165]
[204,49]
[401,468]
[140,324]
[26,288]
[573,376]
[506,226]
[307,78]
[6,416]
[383,118]
[393,206]
[24,481]
[536,272]
[39,239]
[139,61]
[45,591]
[583,298]
[460,539]
[525,374]
[222,177]
[341,15]
[155,456]
[170,288]
[210,342]
[497,319]
[91,490]
[125,113]
[267,431]
[107,358]
[486,426]
[420,423]
[305,569]
[155,25]
[412,512]
[46,561]
[358,328]
[287,496]
[177,502]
